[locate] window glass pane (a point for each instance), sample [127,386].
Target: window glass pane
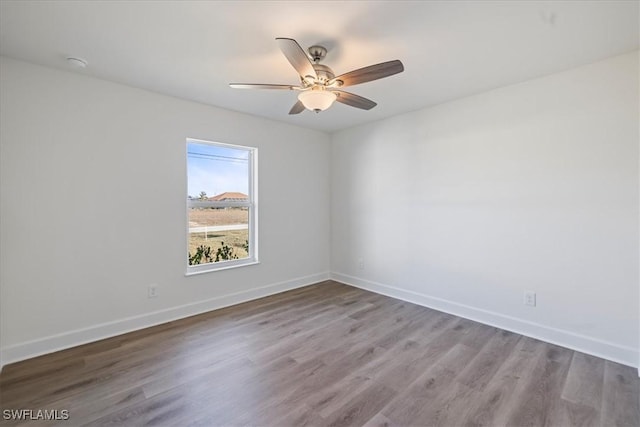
[218,234]
[221,223]
[217,173]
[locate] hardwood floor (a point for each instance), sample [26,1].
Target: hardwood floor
[325,355]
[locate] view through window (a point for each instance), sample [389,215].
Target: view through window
[220,204]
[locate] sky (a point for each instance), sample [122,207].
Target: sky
[215,169]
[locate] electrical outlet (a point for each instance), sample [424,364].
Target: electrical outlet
[153,291]
[360,264]
[530,298]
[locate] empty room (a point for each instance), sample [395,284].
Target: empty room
[322,213]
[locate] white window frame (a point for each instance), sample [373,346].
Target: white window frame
[251,203]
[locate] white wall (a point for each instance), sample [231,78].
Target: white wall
[466,205]
[92,208]
[461,207]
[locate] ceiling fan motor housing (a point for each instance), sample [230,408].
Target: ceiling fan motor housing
[324,73]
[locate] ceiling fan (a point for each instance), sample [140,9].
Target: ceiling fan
[319,87]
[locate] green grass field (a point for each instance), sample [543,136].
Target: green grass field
[233,238]
[236,239]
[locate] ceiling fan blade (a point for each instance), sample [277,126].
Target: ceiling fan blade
[260,86]
[354,100]
[297,108]
[372,72]
[297,57]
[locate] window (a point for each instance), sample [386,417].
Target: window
[221,206]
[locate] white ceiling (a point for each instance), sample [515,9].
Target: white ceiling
[193,49]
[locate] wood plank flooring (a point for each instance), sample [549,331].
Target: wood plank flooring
[324,355]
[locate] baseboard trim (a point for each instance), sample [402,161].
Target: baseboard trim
[53,343]
[596,347]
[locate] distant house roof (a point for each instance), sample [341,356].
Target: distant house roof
[229,197]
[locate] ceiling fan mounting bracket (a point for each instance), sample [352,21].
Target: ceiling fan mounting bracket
[317,53]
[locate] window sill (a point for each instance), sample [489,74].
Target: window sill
[212,267]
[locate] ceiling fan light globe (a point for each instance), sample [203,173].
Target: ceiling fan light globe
[317,100]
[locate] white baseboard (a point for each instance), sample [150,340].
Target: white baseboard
[596,347]
[50,344]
